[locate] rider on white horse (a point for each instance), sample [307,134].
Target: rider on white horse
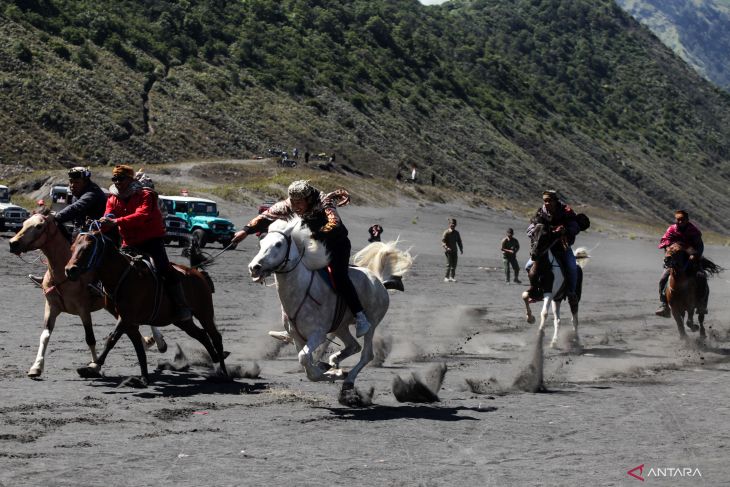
[562,219]
[318,211]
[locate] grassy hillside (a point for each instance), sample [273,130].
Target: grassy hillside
[697,30]
[498,98]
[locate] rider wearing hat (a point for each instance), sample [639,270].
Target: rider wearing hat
[133,210]
[687,234]
[88,202]
[562,219]
[88,199]
[318,211]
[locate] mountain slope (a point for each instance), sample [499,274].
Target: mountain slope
[697,30]
[499,98]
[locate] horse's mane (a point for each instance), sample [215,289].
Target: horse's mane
[314,254]
[710,268]
[385,258]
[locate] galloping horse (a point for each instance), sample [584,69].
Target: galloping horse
[312,308]
[683,292]
[42,232]
[138,298]
[547,282]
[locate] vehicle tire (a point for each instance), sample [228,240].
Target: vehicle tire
[226,242]
[199,236]
[183,242]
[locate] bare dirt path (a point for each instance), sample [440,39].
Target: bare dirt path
[635,396]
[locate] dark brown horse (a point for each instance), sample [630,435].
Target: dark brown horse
[685,290]
[139,298]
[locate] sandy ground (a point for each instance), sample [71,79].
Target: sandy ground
[636,395]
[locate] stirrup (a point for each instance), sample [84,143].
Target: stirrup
[663,311]
[38,281]
[282,336]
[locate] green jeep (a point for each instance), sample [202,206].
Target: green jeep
[201,216]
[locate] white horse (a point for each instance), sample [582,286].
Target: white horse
[553,295]
[311,307]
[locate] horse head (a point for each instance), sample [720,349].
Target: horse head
[36,232]
[87,253]
[542,240]
[676,257]
[286,244]
[275,249]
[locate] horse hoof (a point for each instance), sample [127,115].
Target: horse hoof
[693,327]
[35,372]
[89,371]
[162,347]
[136,382]
[148,341]
[553,344]
[530,319]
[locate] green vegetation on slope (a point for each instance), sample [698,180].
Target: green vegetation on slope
[498,98]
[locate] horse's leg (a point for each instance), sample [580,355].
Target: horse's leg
[556,323]
[544,312]
[93,369]
[314,340]
[365,357]
[159,339]
[351,347]
[207,320]
[85,316]
[528,316]
[701,321]
[574,320]
[691,318]
[49,321]
[136,337]
[679,319]
[200,335]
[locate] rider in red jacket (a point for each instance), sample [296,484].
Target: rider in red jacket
[690,237]
[133,210]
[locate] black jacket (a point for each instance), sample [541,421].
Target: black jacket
[89,204]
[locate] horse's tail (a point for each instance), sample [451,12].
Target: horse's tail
[384,259]
[581,256]
[710,268]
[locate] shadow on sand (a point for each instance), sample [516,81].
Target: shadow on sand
[386,413]
[178,384]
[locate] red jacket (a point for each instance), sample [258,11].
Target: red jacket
[138,218]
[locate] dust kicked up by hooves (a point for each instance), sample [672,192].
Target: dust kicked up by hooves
[420,389]
[200,360]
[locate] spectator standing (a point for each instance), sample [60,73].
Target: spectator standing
[510,246]
[306,157]
[450,241]
[375,231]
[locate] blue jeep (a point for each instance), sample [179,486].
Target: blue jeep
[201,216]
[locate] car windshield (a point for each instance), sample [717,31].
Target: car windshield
[207,209]
[4,194]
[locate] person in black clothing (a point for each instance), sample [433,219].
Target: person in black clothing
[375,231]
[318,211]
[88,201]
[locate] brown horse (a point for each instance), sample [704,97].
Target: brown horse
[139,298]
[42,232]
[685,289]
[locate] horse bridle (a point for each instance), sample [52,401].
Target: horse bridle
[279,269]
[47,234]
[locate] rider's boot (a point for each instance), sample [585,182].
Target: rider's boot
[281,335]
[38,281]
[663,309]
[362,325]
[181,310]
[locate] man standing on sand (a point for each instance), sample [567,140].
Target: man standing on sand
[510,246]
[450,240]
